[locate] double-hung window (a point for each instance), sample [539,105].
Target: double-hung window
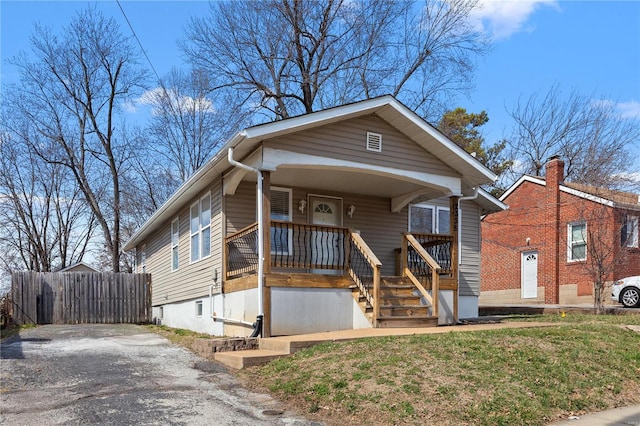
[629,232]
[201,228]
[577,242]
[280,210]
[175,236]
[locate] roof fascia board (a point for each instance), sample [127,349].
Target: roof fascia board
[587,196]
[490,199]
[292,125]
[446,142]
[184,188]
[523,178]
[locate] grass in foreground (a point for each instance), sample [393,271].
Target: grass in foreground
[502,377]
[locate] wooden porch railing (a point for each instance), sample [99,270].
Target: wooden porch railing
[439,247]
[364,269]
[293,246]
[304,246]
[422,269]
[241,251]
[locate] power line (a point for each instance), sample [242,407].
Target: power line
[139,43]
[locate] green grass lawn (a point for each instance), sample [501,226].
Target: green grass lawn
[504,377]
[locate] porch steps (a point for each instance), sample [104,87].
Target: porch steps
[400,305]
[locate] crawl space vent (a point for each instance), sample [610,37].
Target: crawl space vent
[374,142]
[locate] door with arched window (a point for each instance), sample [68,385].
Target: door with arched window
[327,245]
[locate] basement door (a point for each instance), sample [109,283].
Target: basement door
[529,268]
[327,245]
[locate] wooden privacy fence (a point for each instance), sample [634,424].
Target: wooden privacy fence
[80,297]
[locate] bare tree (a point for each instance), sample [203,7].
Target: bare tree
[595,142]
[289,57]
[46,226]
[71,93]
[187,125]
[604,250]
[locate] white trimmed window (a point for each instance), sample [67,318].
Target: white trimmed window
[198,308]
[629,232]
[577,242]
[280,210]
[200,226]
[175,236]
[428,219]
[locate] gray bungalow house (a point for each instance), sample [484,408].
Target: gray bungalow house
[357,216]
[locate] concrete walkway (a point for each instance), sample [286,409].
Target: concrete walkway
[624,416]
[278,347]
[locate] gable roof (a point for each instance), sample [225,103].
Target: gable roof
[386,107]
[604,196]
[81,266]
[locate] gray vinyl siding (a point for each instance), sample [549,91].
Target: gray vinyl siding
[191,280]
[347,141]
[470,249]
[381,229]
[240,208]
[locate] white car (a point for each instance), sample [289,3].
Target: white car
[627,292]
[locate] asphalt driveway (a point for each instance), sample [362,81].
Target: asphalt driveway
[120,375]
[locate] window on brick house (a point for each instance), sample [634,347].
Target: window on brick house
[577,242]
[629,232]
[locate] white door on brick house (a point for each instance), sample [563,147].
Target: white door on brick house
[529,268]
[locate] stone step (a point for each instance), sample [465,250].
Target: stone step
[250,358]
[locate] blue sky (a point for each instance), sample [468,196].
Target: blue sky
[592,46]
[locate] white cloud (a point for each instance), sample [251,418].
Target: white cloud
[629,109]
[154,97]
[502,18]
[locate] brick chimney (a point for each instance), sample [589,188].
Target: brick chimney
[551,261]
[555,172]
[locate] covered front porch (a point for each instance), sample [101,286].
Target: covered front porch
[307,256]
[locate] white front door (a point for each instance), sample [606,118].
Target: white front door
[327,245]
[529,267]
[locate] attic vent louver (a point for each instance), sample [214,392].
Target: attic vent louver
[374,142]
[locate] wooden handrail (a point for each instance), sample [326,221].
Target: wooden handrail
[434,267]
[364,248]
[241,233]
[422,252]
[375,264]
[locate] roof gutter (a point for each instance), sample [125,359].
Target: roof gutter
[476,191]
[258,173]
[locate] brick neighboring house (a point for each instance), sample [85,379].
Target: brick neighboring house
[539,249]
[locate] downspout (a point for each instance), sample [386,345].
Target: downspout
[258,324]
[476,191]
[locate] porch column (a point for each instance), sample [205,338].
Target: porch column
[455,250]
[266,233]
